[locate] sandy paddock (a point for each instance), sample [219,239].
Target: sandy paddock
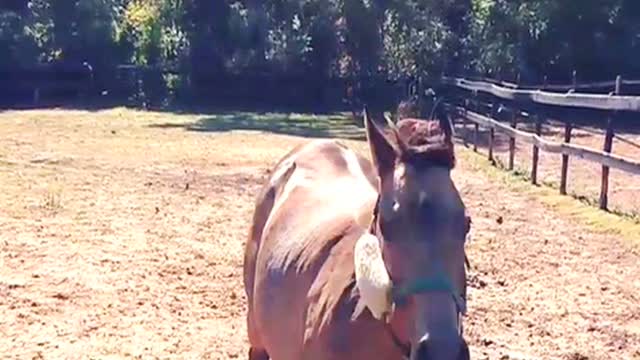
[121,236]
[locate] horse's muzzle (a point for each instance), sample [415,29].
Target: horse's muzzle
[445,349]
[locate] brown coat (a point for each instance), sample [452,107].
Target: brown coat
[299,265]
[300,275]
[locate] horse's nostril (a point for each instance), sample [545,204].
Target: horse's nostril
[441,350]
[421,351]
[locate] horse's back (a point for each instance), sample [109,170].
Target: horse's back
[316,196]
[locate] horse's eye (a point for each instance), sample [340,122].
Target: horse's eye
[390,208]
[390,225]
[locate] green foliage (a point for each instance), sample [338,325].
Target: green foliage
[15,42]
[142,26]
[595,37]
[323,38]
[288,43]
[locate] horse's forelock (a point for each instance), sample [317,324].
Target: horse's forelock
[426,142]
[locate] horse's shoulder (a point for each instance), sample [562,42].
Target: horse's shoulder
[331,300]
[320,198]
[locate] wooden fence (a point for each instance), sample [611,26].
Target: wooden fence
[597,85]
[33,83]
[537,102]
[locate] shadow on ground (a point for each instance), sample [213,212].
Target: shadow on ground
[317,126]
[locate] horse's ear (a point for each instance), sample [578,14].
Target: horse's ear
[383,153]
[445,120]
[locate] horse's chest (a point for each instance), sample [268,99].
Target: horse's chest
[353,341]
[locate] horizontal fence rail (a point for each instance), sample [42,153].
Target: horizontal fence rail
[542,97]
[601,157]
[557,87]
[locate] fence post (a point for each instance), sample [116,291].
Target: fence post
[514,124]
[567,139]
[464,123]
[565,159]
[536,150]
[512,140]
[608,144]
[492,133]
[476,127]
[36,96]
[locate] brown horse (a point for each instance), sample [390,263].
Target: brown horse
[323,200]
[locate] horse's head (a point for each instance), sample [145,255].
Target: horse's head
[421,225]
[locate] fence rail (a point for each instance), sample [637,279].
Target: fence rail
[556,87]
[601,157]
[503,95]
[543,97]
[41,79]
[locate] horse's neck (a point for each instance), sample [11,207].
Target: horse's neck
[372,213]
[365,216]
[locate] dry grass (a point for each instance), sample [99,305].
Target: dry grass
[583,212]
[121,236]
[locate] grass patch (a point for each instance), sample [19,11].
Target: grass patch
[578,209]
[53,198]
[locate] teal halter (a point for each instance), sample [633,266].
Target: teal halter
[402,292]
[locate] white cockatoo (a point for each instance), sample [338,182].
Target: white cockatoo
[372,279]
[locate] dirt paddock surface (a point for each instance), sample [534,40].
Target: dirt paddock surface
[121,236]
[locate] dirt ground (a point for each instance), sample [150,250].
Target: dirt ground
[121,236]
